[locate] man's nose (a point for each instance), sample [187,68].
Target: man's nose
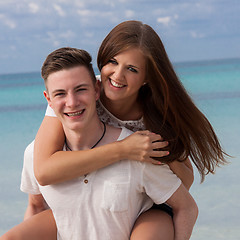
[71,100]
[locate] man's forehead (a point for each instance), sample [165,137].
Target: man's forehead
[73,77]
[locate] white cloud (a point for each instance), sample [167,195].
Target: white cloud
[204,7]
[67,35]
[59,10]
[80,4]
[33,7]
[94,17]
[13,47]
[90,20]
[84,13]
[109,3]
[53,39]
[195,34]
[56,39]
[89,34]
[8,22]
[168,20]
[164,20]
[129,13]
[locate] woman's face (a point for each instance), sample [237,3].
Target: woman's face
[123,75]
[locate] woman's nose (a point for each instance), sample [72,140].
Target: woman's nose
[118,74]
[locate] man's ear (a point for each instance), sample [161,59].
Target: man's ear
[45,93]
[97,89]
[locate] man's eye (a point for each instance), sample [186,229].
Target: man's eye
[59,94]
[81,89]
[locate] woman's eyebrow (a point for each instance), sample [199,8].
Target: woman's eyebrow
[133,66]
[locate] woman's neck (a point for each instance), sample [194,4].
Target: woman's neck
[122,109]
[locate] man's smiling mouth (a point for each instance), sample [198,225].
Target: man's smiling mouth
[74,114]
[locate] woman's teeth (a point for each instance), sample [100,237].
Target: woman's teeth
[115,84]
[75,114]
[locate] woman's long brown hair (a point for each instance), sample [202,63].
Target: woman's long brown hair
[167,107]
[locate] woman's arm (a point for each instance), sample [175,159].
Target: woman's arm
[184,171]
[52,165]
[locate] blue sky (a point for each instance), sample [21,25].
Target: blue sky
[190,29]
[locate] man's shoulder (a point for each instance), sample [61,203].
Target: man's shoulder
[124,133]
[29,149]
[117,134]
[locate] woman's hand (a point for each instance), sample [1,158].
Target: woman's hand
[143,145]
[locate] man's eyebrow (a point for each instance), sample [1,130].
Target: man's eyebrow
[58,90]
[78,86]
[82,85]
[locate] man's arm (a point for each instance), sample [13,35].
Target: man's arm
[36,204]
[185,212]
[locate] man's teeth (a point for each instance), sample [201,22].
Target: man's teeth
[115,84]
[74,114]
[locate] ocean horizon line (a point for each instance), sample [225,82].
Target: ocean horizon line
[175,64]
[197,96]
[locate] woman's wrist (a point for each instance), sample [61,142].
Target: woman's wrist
[122,150]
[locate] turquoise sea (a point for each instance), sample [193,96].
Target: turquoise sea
[215,88]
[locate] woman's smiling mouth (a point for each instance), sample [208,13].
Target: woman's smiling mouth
[115,84]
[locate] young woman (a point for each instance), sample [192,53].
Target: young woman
[140,90]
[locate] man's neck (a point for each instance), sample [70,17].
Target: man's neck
[84,138]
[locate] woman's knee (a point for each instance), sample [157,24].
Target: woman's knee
[153,225]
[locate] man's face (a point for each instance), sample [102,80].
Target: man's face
[72,95]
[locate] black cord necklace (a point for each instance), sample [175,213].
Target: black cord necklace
[104,131]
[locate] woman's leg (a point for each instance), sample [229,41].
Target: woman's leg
[41,226]
[153,224]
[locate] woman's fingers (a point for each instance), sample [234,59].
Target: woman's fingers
[159,153]
[159,145]
[155,162]
[145,145]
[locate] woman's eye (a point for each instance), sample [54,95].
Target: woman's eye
[132,69]
[112,61]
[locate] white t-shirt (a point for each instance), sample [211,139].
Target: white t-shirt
[105,203]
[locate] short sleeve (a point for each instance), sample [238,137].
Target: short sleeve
[49,112]
[159,182]
[28,181]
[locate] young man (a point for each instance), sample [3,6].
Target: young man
[103,204]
